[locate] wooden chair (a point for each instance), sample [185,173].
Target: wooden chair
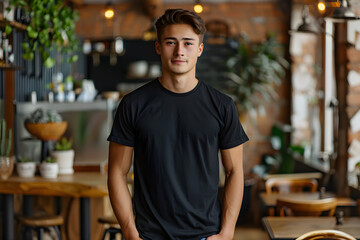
[112,231]
[326,234]
[317,207]
[286,185]
[39,223]
[358,205]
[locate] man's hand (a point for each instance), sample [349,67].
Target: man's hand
[219,237]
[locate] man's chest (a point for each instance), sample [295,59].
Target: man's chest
[166,119]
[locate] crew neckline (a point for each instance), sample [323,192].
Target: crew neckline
[167,91]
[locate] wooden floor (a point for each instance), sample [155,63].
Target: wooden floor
[250,233]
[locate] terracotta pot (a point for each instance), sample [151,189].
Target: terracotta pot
[50,131]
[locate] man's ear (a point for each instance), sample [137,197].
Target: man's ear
[201,48]
[157,47]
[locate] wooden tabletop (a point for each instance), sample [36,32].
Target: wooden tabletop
[269,200]
[281,228]
[82,184]
[310,175]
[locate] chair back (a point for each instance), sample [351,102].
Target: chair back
[289,207]
[286,185]
[326,234]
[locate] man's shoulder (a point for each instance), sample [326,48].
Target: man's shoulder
[140,92]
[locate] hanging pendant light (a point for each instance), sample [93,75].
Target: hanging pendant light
[198,8]
[305,26]
[109,11]
[343,13]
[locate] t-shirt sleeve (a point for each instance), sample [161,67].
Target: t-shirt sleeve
[232,133]
[122,131]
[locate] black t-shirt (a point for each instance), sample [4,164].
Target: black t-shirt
[176,138]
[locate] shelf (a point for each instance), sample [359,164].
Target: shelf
[9,66]
[13,24]
[28,107]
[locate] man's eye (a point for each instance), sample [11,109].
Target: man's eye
[188,43]
[170,43]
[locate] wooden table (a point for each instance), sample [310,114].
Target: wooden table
[289,228]
[80,185]
[269,199]
[309,175]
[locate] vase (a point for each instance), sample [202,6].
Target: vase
[6,167]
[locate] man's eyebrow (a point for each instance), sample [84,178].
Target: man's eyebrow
[185,38]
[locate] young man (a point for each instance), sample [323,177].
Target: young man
[175,125]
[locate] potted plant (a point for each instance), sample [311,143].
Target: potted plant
[6,161]
[25,167]
[253,70]
[64,155]
[52,23]
[49,168]
[46,126]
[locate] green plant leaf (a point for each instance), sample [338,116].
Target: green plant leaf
[25,46]
[8,29]
[49,62]
[31,32]
[28,56]
[74,58]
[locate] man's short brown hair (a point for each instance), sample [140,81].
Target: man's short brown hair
[180,16]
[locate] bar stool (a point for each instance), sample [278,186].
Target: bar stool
[112,231]
[39,223]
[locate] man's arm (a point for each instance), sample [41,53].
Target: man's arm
[120,158]
[234,187]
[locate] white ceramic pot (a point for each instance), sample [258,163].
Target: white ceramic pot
[26,169]
[49,170]
[65,159]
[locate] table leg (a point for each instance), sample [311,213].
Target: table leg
[8,218]
[27,211]
[84,218]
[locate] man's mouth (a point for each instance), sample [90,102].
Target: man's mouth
[178,61]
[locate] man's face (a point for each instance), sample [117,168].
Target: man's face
[179,49]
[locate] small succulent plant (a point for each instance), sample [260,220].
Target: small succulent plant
[24,159]
[39,116]
[50,159]
[63,144]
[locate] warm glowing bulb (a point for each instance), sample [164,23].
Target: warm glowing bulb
[321,7]
[109,13]
[198,8]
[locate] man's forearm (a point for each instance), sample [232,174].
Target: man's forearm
[120,199]
[234,189]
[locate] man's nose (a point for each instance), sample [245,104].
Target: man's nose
[179,50]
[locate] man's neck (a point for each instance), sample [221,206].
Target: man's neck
[178,84]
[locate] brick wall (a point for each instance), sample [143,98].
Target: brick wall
[254,19]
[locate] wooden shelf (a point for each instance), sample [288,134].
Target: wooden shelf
[13,24]
[9,66]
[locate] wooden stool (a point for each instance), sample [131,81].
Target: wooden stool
[112,231]
[39,223]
